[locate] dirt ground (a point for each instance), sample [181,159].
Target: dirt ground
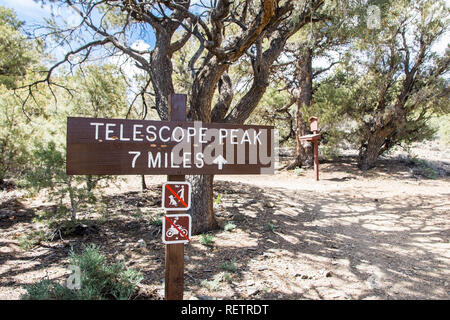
[383,234]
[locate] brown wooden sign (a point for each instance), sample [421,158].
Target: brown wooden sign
[121,147]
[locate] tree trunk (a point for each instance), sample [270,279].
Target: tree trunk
[369,153]
[201,211]
[380,136]
[143,184]
[303,150]
[90,183]
[203,218]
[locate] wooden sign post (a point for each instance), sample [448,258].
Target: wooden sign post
[97,146]
[314,139]
[174,281]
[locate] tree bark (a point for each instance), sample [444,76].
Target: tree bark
[143,184]
[201,211]
[303,150]
[380,136]
[161,74]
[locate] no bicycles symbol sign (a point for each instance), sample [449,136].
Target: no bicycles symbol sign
[176,228]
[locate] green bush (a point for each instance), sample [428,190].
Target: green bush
[218,199]
[156,221]
[229,226]
[271,227]
[298,171]
[207,239]
[99,280]
[229,266]
[32,239]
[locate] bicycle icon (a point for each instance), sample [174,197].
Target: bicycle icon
[176,228]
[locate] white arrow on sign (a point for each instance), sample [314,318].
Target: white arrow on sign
[220,161]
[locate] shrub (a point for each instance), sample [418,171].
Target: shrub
[156,221]
[206,239]
[271,226]
[229,266]
[214,285]
[229,226]
[49,172]
[49,290]
[218,199]
[32,239]
[99,280]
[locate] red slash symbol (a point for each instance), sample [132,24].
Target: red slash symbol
[170,221]
[175,194]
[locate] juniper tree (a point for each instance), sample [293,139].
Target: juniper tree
[224,33]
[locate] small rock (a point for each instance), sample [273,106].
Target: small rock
[120,257]
[373,283]
[269,204]
[252,291]
[141,243]
[262,268]
[328,274]
[250,282]
[186,258]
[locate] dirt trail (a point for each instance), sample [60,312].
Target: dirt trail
[378,235]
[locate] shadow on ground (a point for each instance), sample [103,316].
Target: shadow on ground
[286,245]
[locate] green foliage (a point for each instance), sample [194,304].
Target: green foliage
[17,53]
[214,285]
[429,173]
[48,172]
[218,199]
[441,123]
[207,239]
[298,171]
[229,226]
[49,290]
[156,221]
[271,227]
[387,91]
[422,167]
[267,113]
[32,239]
[229,266]
[99,280]
[101,92]
[32,146]
[14,149]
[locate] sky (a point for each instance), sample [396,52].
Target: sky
[32,13]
